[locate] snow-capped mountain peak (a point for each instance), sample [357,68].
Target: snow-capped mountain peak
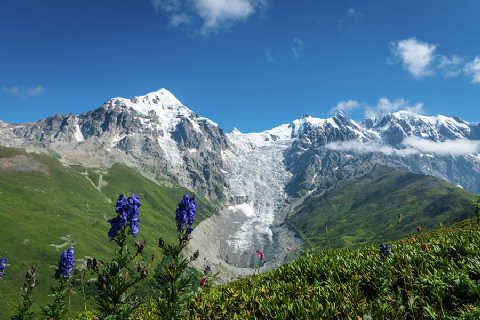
[401,124]
[162,102]
[234,131]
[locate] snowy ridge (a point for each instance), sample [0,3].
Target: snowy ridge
[258,175]
[406,124]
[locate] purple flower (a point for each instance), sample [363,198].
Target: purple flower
[127,215]
[207,269]
[3,264]
[65,265]
[384,250]
[185,214]
[189,230]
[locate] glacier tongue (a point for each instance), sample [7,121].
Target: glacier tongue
[257,176]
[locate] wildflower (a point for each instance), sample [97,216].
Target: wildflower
[289,249]
[419,229]
[205,258]
[65,265]
[153,256]
[202,282]
[3,264]
[384,250]
[220,263]
[425,246]
[207,269]
[185,214]
[127,215]
[189,230]
[408,240]
[126,275]
[260,255]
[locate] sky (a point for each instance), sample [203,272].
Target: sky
[249,64]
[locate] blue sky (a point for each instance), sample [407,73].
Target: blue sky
[253,64]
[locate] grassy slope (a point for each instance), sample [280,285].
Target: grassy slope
[44,208]
[361,211]
[442,282]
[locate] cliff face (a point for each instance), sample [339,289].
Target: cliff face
[154,133]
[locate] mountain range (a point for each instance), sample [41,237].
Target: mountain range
[255,181]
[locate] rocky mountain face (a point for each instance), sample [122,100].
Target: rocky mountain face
[154,133]
[446,148]
[257,177]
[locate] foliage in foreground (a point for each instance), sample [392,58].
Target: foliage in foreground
[434,275]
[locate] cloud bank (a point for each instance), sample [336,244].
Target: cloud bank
[458,147]
[360,147]
[214,15]
[413,145]
[29,92]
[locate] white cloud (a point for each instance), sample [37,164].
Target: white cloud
[350,15]
[450,67]
[13,90]
[416,56]
[178,19]
[457,147]
[345,106]
[213,14]
[414,145]
[268,56]
[297,47]
[34,92]
[391,106]
[166,5]
[25,93]
[473,68]
[360,147]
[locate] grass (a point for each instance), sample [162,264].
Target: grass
[442,282]
[63,208]
[359,211]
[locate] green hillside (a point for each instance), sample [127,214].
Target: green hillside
[438,281]
[46,207]
[360,211]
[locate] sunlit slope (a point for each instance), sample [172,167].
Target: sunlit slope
[46,207]
[362,211]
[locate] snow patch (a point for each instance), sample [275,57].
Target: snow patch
[78,134]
